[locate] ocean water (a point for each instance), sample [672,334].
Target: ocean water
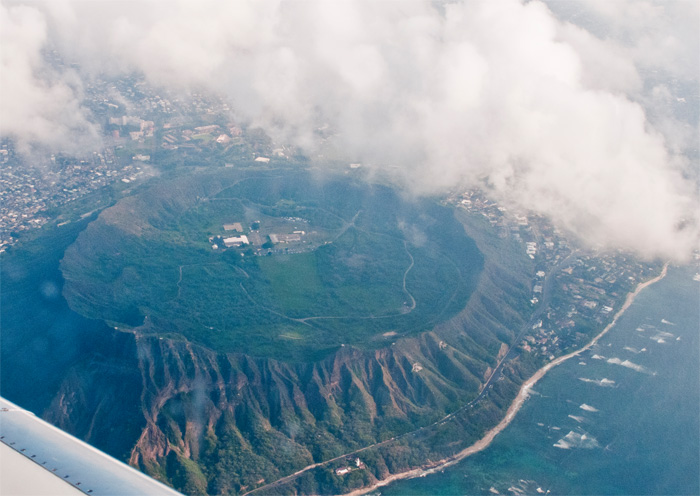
[622,418]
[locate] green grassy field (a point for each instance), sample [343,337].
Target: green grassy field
[293,280]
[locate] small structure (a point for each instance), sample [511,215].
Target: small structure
[287,238]
[236,241]
[531,249]
[235,226]
[262,159]
[342,471]
[206,129]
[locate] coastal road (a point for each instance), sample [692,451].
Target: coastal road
[534,319]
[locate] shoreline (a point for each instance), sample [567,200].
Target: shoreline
[515,406]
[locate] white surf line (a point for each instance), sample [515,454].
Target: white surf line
[523,394]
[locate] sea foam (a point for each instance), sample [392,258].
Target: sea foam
[630,365]
[602,382]
[661,337]
[577,440]
[588,408]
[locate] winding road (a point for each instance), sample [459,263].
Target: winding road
[405,274]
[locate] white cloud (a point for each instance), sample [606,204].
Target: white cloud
[551,116]
[40,107]
[658,34]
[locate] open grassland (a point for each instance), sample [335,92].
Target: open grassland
[294,282]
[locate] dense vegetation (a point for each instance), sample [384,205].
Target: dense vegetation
[147,262]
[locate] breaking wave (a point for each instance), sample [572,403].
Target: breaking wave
[661,336]
[633,350]
[630,365]
[577,440]
[602,382]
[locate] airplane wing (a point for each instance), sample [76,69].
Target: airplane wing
[37,458]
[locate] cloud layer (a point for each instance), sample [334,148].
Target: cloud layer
[547,115]
[40,107]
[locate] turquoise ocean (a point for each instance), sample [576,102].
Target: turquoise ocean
[621,418]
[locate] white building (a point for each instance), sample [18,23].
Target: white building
[236,241]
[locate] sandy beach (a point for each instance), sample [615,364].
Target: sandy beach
[518,402]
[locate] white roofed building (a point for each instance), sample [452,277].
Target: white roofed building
[236,241]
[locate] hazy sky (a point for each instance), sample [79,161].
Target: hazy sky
[585,111]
